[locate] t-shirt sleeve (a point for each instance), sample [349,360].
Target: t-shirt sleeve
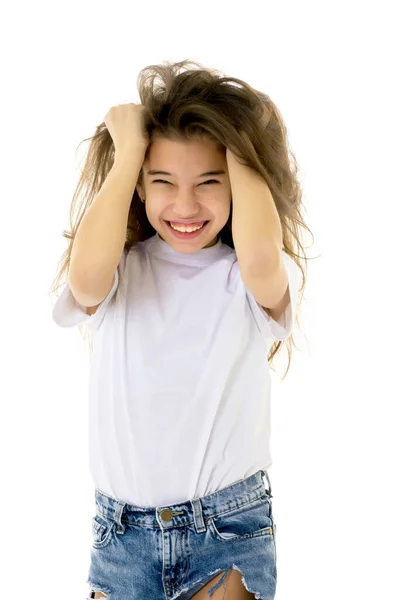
[67,312]
[282,329]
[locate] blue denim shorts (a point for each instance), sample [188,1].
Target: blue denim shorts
[171,552]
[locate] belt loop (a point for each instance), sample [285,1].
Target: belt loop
[269,483]
[198,515]
[117,516]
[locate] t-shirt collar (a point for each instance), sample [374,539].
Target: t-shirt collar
[157,246]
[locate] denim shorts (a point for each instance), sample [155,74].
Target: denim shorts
[171,552]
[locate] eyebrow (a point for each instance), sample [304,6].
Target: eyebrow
[207,174]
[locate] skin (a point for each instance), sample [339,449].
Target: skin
[186,195]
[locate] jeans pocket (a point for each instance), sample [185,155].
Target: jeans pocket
[102,530]
[250,520]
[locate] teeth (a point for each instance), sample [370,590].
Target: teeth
[185,229]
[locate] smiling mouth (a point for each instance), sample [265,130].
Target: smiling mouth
[187,234]
[192,224]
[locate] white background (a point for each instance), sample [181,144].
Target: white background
[331,68]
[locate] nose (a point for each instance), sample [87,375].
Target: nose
[186,206]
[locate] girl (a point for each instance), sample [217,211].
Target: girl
[182,265]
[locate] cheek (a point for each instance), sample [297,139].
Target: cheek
[161,197]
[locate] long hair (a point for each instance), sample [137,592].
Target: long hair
[186,100]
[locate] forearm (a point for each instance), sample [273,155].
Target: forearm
[256,227]
[101,235]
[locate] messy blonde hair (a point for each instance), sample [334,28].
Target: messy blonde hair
[187,100]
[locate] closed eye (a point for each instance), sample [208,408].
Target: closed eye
[164,181]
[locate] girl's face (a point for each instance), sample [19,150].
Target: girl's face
[194,186]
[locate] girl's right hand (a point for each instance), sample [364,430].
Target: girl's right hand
[125,125]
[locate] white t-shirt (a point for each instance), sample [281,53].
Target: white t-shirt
[179,385]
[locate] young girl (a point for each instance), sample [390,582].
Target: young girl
[182,265]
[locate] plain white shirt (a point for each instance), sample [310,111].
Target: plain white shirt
[179,384]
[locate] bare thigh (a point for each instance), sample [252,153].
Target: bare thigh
[232,587]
